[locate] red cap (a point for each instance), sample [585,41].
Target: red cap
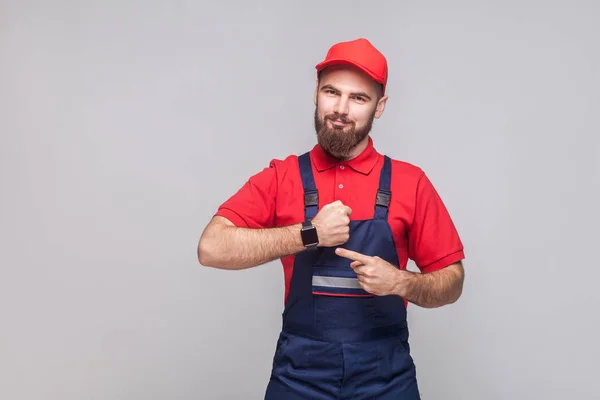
[360,53]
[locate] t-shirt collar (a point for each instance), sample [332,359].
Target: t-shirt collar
[363,163]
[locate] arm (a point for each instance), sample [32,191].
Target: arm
[243,232]
[226,246]
[436,248]
[429,290]
[433,289]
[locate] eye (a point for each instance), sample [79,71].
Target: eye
[360,99]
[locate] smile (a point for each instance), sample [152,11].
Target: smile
[338,122]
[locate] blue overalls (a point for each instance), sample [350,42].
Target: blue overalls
[337,340]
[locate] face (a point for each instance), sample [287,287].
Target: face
[346,102]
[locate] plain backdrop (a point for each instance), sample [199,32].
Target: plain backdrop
[124,124]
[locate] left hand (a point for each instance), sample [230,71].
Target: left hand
[375,275]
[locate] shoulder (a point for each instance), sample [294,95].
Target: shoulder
[279,170]
[285,165]
[411,183]
[405,173]
[287,161]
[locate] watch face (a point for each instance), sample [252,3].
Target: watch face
[309,236]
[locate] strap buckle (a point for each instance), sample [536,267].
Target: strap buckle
[383,198]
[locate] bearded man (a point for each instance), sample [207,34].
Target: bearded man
[344,220]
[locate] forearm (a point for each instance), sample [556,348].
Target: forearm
[231,247]
[434,289]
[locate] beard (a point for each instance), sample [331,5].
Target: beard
[339,142]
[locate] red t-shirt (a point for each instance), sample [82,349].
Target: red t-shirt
[421,225]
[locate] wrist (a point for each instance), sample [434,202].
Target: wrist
[295,232]
[308,235]
[404,283]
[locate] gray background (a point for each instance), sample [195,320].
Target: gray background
[125,124]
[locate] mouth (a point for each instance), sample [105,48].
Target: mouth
[339,123]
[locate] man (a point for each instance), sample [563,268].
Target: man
[344,220]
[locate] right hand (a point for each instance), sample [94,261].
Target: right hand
[332,223]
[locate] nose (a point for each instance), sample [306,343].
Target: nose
[341,106]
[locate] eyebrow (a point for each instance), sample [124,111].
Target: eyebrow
[363,94]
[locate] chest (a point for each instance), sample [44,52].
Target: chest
[356,190]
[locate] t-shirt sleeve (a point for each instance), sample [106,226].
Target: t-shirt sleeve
[434,242]
[253,205]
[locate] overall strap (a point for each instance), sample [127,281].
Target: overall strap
[384,193]
[311,196]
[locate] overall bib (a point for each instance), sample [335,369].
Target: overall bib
[337,340]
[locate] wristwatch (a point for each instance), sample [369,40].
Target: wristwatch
[310,239]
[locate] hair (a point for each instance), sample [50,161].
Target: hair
[379,92]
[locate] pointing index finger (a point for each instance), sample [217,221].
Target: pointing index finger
[352,255]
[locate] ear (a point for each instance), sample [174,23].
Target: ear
[380,106]
[316,92]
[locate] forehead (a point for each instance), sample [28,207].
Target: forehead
[347,78]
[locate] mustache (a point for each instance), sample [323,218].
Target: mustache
[338,117]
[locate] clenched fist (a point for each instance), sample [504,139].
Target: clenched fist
[332,223]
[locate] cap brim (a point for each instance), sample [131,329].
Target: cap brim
[338,61]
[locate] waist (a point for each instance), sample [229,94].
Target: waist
[346,334]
